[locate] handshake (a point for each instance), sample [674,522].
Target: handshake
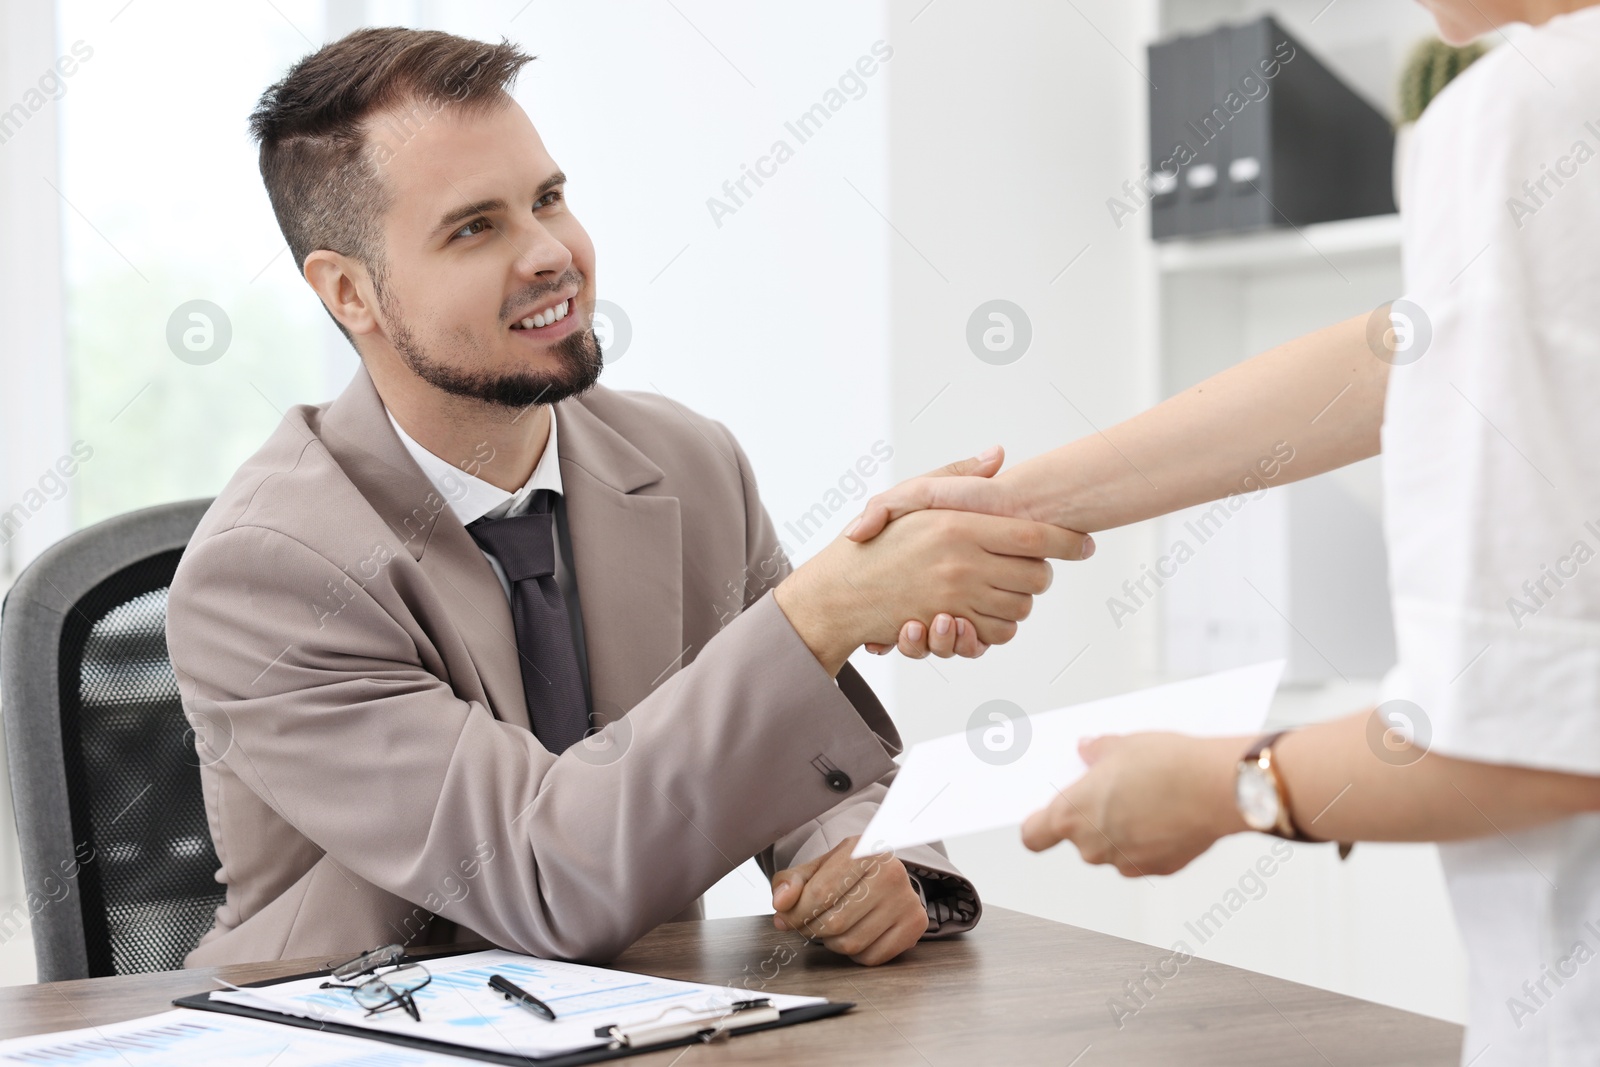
[947,563]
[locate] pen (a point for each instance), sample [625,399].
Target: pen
[518,995]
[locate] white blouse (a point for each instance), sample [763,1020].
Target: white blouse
[1491,444]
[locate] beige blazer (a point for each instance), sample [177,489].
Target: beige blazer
[347,659]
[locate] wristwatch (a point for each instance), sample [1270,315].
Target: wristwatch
[1263,798]
[1260,792]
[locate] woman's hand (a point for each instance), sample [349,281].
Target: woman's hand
[1148,804]
[966,485]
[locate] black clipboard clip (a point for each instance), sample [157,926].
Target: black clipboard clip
[707,1026]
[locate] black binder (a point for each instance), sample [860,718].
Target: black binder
[1166,135]
[1272,138]
[1207,121]
[1250,191]
[1323,152]
[203,1002]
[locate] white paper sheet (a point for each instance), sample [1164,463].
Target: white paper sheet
[962,784]
[458,1006]
[182,1037]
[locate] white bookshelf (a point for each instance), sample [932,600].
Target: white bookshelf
[1347,241]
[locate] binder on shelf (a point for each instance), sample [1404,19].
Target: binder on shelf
[1321,151]
[1250,196]
[1262,135]
[1206,123]
[1222,121]
[1166,133]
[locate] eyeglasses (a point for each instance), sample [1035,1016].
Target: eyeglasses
[381,992]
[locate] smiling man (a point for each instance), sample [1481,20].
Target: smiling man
[455,645]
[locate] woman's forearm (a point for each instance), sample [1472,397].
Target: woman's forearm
[1353,779]
[1300,409]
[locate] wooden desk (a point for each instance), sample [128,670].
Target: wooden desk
[1016,991]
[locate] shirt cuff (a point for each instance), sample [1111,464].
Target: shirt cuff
[950,901]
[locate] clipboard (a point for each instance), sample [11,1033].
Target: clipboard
[622,1042]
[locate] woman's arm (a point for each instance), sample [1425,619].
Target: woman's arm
[1317,399]
[1150,803]
[1321,394]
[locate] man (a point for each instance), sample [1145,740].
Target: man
[451,643]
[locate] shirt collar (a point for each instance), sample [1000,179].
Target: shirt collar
[470,497]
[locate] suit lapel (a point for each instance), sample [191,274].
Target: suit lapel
[628,560]
[356,432]
[627,551]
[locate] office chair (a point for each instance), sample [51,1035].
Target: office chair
[116,854]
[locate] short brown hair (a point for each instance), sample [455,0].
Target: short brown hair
[326,188]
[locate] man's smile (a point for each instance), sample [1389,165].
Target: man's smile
[546,317]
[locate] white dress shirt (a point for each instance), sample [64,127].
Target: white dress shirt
[471,498]
[1491,455]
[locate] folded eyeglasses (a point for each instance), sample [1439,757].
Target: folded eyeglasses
[394,988]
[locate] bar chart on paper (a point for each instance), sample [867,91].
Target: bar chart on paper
[177,1037]
[571,992]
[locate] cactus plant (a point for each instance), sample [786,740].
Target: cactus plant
[1429,68]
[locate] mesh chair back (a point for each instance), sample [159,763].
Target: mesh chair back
[117,855]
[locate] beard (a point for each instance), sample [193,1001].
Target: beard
[577,355]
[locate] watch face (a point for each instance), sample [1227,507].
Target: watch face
[1256,796]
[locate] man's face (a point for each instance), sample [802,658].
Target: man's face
[479,240]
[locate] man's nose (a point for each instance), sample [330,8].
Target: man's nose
[540,252]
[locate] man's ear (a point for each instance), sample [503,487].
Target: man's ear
[343,285]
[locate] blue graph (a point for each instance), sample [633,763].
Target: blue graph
[200,1042]
[569,993]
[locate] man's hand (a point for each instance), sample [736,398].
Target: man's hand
[944,635]
[1148,804]
[982,568]
[965,485]
[862,908]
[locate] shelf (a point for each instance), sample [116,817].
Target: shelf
[1345,241]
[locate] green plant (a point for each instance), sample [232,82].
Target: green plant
[1428,70]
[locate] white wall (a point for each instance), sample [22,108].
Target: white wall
[1010,126]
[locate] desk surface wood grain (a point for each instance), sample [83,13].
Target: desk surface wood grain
[1017,990]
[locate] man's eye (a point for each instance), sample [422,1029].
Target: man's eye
[555,196]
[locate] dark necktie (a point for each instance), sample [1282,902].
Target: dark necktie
[525,546]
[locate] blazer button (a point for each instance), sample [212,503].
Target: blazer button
[838,781]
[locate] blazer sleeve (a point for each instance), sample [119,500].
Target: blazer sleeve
[950,897]
[347,733]
[951,900]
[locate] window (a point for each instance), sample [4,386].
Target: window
[188,328]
